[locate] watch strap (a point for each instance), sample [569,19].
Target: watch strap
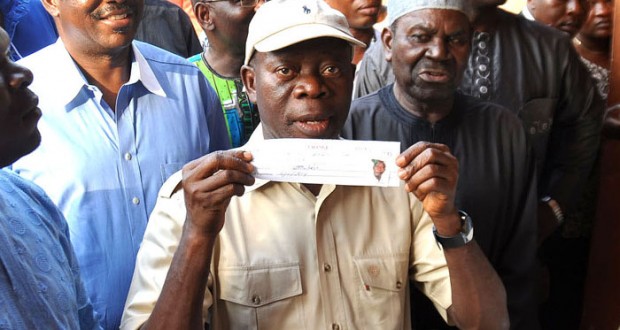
[460,239]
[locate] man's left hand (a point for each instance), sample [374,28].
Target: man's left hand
[431,173]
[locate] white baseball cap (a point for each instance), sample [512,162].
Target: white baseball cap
[280,23]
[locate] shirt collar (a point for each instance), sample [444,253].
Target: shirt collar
[527,14]
[75,80]
[141,71]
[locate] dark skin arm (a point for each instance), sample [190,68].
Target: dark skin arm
[430,172]
[611,122]
[547,222]
[208,184]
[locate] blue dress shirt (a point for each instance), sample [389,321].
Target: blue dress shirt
[40,286]
[103,168]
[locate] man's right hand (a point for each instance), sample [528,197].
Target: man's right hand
[208,185]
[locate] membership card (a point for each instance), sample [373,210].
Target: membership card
[341,162]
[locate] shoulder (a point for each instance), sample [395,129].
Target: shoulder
[41,58]
[366,104]
[195,58]
[531,33]
[15,182]
[489,115]
[374,54]
[164,60]
[32,196]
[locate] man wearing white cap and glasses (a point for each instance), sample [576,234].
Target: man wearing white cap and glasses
[427,43]
[237,252]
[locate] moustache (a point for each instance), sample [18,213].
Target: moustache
[111,9]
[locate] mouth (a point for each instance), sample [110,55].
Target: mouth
[313,127]
[117,17]
[32,116]
[435,76]
[570,27]
[370,9]
[606,24]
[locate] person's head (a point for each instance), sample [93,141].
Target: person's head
[360,14]
[96,27]
[598,23]
[298,68]
[378,168]
[428,45]
[226,22]
[565,15]
[18,108]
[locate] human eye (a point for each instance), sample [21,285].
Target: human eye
[458,39]
[284,72]
[331,70]
[420,37]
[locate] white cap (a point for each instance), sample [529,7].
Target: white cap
[280,23]
[398,8]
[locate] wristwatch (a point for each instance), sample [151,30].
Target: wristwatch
[555,208]
[460,239]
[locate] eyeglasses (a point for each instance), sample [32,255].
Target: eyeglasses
[242,3]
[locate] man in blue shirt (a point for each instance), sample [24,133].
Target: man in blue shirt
[40,284]
[120,116]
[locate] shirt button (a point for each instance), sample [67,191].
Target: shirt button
[335,326]
[256,300]
[483,89]
[482,67]
[136,200]
[399,285]
[482,45]
[127,156]
[327,267]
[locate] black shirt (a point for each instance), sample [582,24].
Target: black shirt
[497,180]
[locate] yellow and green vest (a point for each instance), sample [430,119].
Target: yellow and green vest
[241,114]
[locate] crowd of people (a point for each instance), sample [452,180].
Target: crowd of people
[128,196]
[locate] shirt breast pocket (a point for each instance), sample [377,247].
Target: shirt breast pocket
[260,298]
[383,283]
[169,169]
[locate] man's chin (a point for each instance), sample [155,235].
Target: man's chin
[433,95]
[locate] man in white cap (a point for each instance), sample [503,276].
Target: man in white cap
[535,72]
[281,255]
[427,44]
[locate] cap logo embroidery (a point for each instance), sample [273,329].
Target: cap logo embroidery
[306,10]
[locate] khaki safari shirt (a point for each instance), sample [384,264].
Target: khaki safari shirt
[287,259]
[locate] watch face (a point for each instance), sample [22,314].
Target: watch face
[462,238]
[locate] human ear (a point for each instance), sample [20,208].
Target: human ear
[202,11]
[248,76]
[387,37]
[51,6]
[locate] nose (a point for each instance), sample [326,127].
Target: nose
[19,77]
[575,7]
[602,8]
[310,85]
[437,49]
